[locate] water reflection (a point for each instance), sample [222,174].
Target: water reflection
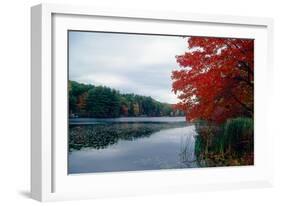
[187,154]
[130,146]
[100,136]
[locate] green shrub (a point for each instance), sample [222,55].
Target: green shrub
[233,139]
[238,135]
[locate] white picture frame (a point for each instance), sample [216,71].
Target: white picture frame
[49,178]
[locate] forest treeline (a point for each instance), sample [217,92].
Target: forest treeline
[86,100]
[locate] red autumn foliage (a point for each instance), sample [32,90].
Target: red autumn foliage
[216,79]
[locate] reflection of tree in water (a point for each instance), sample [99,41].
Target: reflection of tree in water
[100,136]
[186,155]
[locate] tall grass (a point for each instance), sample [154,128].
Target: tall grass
[231,140]
[238,135]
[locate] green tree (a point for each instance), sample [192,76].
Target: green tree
[103,102]
[87,100]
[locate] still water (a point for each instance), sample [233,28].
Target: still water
[130,144]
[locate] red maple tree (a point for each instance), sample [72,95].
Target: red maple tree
[216,79]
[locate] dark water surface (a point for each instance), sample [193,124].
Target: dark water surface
[130,144]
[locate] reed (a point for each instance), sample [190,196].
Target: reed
[231,143]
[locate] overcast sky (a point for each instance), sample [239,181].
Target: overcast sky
[130,63]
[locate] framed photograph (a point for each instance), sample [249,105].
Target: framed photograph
[134,102]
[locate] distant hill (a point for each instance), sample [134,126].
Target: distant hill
[86,100]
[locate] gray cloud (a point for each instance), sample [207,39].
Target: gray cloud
[140,64]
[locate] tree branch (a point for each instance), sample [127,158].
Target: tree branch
[249,83]
[248,109]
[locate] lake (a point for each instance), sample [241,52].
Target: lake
[130,144]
